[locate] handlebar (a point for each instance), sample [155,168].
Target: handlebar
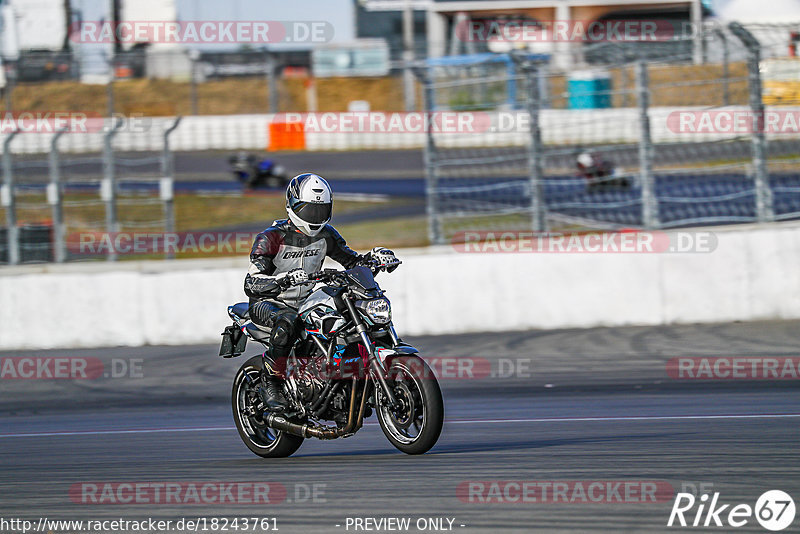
[326,275]
[323,275]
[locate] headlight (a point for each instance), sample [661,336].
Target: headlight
[379,311]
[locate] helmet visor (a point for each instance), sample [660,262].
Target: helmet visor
[312,212]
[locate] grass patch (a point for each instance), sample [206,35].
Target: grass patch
[84,212]
[393,233]
[214,97]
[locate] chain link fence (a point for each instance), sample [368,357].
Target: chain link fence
[469,186]
[72,207]
[646,138]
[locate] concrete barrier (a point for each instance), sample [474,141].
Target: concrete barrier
[752,275]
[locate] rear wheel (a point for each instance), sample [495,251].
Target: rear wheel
[259,438]
[415,423]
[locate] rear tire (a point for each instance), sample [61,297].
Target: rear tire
[259,438]
[415,427]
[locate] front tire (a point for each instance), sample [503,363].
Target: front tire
[259,438]
[414,426]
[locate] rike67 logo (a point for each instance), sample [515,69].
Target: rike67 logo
[774,510]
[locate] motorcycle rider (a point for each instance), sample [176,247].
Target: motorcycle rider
[599,172]
[591,166]
[281,259]
[254,172]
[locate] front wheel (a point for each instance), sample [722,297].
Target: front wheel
[259,438]
[415,423]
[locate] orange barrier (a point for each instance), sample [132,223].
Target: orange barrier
[287,136]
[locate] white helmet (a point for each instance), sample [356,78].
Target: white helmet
[586,159]
[309,203]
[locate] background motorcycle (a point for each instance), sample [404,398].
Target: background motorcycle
[254,172]
[347,362]
[600,173]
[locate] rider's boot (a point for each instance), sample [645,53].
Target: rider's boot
[271,395]
[271,390]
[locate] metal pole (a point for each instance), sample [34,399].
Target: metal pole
[272,84]
[408,56]
[110,87]
[54,198]
[533,75]
[194,85]
[9,95]
[696,14]
[9,202]
[649,201]
[435,234]
[108,188]
[764,208]
[535,153]
[166,186]
[8,92]
[726,96]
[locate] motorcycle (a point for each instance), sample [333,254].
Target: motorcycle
[254,173]
[600,173]
[347,363]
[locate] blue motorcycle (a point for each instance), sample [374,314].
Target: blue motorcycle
[258,173]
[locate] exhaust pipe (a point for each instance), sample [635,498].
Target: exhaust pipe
[278,422]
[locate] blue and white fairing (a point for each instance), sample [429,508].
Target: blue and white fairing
[319,313]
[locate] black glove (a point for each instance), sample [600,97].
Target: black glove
[294,277]
[385,258]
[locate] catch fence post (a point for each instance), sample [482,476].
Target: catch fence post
[764,207]
[166,186]
[535,151]
[108,187]
[649,201]
[8,201]
[435,233]
[56,200]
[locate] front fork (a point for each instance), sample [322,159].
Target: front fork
[375,363]
[393,335]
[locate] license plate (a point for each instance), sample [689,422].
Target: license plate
[233,342]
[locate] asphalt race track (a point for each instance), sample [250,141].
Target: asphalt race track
[568,405]
[213,164]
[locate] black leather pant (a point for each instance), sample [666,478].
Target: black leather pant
[282,320]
